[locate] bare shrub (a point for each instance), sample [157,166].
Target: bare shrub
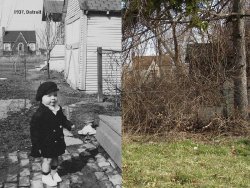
[199,99]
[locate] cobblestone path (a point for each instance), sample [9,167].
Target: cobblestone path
[86,165]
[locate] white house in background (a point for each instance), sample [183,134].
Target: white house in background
[90,24]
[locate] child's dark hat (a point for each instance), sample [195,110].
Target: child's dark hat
[44,89]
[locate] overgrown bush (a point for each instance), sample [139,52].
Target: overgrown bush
[196,100]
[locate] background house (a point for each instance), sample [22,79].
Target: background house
[149,67]
[15,42]
[88,25]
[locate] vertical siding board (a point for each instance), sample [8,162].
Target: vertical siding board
[72,32]
[80,52]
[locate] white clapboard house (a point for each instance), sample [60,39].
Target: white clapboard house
[90,24]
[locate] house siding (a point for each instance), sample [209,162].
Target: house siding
[72,40]
[83,34]
[103,32]
[72,53]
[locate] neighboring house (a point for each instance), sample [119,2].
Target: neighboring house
[52,14]
[90,24]
[149,67]
[16,42]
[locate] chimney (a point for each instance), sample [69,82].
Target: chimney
[2,32]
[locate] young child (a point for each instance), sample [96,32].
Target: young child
[46,128]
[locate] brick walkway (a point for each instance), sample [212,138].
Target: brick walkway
[85,165]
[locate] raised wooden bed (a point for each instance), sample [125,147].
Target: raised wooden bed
[108,134]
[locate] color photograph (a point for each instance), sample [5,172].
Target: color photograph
[185,111]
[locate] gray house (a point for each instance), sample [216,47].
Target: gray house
[16,42]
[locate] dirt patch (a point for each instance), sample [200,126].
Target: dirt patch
[15,131]
[13,105]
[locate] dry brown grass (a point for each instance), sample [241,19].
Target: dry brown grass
[158,105]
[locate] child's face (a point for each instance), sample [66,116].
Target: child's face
[50,99]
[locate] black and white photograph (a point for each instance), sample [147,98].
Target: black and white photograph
[60,87]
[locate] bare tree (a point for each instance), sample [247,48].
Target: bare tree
[49,36]
[52,33]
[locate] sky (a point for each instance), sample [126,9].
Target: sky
[16,15]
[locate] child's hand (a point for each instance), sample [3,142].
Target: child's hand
[73,126]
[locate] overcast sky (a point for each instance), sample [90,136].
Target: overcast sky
[14,14]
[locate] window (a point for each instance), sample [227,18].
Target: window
[32,46]
[7,47]
[20,47]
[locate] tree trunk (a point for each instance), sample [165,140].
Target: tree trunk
[240,81]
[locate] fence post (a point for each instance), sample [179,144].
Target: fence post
[25,68]
[99,74]
[15,66]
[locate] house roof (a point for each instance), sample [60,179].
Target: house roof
[144,62]
[11,36]
[52,6]
[100,5]
[54,9]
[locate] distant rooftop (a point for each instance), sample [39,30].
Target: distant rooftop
[11,36]
[54,9]
[52,6]
[100,5]
[143,62]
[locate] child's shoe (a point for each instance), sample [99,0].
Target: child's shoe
[57,178]
[47,179]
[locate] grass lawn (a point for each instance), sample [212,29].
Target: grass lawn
[220,162]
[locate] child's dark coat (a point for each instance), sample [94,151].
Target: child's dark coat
[46,131]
